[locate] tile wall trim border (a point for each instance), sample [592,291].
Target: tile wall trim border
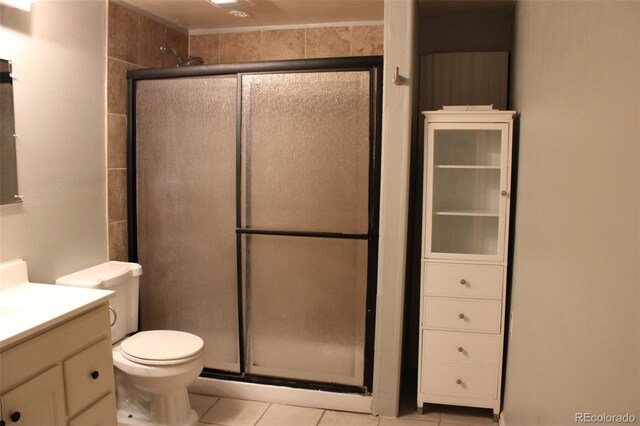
[206,31]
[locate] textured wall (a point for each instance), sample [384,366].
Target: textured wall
[576,279]
[299,43]
[134,42]
[58,49]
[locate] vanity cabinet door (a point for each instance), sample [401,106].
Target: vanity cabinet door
[89,375]
[102,413]
[37,402]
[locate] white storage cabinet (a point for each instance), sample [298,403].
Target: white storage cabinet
[464,257]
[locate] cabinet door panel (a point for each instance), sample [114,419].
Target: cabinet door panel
[39,401]
[89,375]
[461,314]
[466,183]
[102,413]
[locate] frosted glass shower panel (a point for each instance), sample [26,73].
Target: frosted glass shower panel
[185,158]
[305,307]
[305,151]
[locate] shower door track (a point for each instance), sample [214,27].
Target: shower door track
[373,64]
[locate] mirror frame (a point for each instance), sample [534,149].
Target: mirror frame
[8,156]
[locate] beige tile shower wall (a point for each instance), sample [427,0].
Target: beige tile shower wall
[134,42]
[302,43]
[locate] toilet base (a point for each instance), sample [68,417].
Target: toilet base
[136,407]
[130,415]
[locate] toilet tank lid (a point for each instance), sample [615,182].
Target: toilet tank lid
[104,275]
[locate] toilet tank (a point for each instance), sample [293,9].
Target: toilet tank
[121,277]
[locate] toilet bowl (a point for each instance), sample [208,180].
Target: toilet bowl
[152,368]
[155,369]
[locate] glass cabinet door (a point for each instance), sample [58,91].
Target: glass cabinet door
[466,190]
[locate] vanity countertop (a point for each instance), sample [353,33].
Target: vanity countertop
[28,309]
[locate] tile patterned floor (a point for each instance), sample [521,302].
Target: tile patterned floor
[235,412]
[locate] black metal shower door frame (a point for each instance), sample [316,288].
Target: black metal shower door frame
[371,64]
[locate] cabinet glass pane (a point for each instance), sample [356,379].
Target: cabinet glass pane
[467,147]
[186,211]
[305,151]
[466,190]
[305,307]
[465,234]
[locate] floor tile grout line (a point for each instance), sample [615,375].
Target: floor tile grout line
[209,409]
[263,413]
[321,416]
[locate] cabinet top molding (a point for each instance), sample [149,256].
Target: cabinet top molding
[469,116]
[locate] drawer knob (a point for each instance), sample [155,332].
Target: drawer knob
[503,193]
[461,316]
[95,374]
[463,281]
[459,381]
[460,349]
[15,416]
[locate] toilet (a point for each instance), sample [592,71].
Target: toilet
[152,368]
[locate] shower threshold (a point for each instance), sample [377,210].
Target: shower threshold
[283,395]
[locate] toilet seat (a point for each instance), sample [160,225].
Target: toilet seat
[162,347]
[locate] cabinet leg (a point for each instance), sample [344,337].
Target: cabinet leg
[420,409]
[496,417]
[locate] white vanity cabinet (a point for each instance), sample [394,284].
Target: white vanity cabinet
[62,375]
[464,257]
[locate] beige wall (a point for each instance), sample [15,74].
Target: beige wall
[299,43]
[576,281]
[133,42]
[398,105]
[59,57]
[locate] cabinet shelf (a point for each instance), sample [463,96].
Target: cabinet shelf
[460,166]
[478,213]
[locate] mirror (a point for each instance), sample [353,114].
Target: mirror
[8,167]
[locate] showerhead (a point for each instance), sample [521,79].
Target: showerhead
[180,62]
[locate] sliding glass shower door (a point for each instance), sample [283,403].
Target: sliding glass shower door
[305,202]
[185,167]
[254,216]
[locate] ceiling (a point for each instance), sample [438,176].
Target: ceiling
[193,15]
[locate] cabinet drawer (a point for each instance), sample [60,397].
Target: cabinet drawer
[461,348]
[471,382]
[462,280]
[88,375]
[461,314]
[102,413]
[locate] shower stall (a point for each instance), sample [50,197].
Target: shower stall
[253,209]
